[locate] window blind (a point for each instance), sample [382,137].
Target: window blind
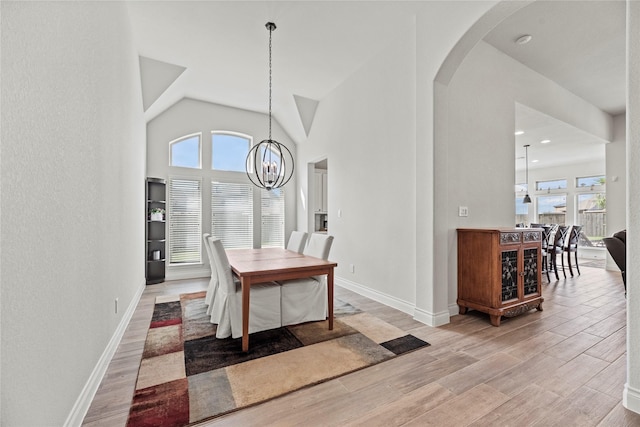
[185,230]
[272,218]
[232,214]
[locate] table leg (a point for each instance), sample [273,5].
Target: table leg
[330,296]
[245,312]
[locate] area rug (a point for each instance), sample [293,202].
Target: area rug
[187,375]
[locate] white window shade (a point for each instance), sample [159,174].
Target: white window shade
[232,214]
[272,218]
[185,230]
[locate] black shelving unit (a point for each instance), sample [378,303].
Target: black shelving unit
[155,230]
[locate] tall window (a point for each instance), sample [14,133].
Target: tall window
[229,151]
[185,230]
[590,181]
[592,209]
[232,214]
[522,209]
[552,209]
[556,184]
[272,218]
[185,152]
[240,215]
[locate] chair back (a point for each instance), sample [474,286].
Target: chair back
[319,245]
[225,276]
[560,237]
[214,268]
[297,241]
[617,247]
[546,236]
[205,239]
[574,236]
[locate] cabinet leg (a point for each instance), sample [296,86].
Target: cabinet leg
[463,310]
[539,307]
[495,320]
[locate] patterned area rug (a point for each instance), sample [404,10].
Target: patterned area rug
[187,375]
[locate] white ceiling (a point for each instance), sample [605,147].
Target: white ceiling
[581,46]
[567,143]
[224,47]
[318,44]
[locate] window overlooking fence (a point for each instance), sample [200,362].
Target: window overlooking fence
[552,209]
[522,209]
[592,215]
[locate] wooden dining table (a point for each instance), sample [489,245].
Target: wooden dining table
[272,264]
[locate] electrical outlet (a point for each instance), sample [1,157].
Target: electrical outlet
[352,268]
[463,211]
[116,305]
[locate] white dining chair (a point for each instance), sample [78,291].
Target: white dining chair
[297,241]
[264,303]
[305,300]
[213,283]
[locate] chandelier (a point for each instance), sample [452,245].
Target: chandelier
[269,163]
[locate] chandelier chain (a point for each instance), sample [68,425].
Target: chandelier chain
[270,34]
[269,164]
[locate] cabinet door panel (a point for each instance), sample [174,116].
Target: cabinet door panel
[509,264]
[531,266]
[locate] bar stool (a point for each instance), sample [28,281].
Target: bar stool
[558,249]
[572,246]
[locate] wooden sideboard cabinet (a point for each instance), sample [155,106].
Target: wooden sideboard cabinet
[499,271]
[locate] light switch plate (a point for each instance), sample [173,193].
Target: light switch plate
[463,211]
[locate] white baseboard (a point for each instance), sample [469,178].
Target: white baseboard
[429,319]
[190,273]
[80,408]
[631,398]
[380,297]
[454,310]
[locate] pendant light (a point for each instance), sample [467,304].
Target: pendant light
[269,164]
[526,199]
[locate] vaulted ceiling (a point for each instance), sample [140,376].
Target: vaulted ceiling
[217,51]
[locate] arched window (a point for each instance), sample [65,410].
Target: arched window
[237,211]
[185,152]
[229,151]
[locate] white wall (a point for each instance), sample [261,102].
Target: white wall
[366,130]
[189,116]
[376,130]
[616,181]
[481,117]
[631,395]
[73,159]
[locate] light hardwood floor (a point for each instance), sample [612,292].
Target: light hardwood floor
[564,366]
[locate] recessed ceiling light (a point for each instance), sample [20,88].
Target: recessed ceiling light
[545,141]
[519,132]
[535,161]
[524,39]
